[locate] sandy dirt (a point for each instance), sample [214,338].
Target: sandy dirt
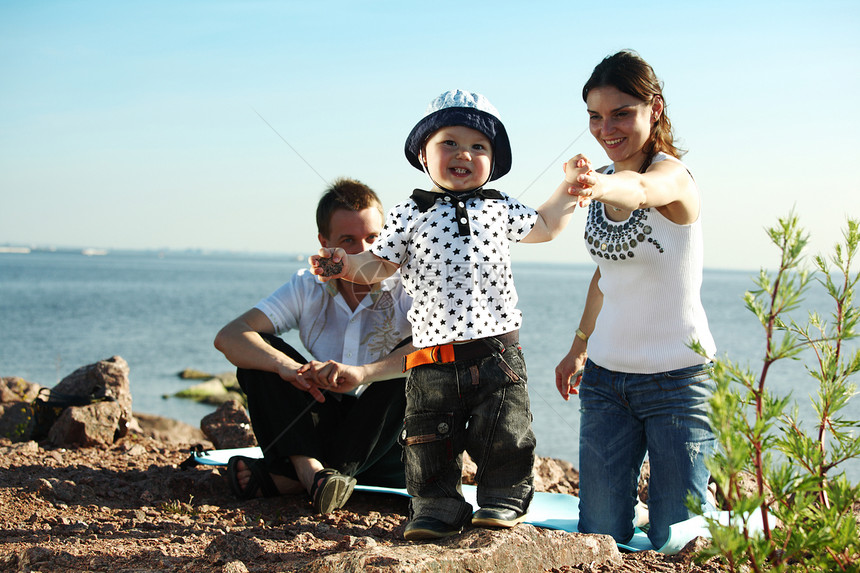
[131,508]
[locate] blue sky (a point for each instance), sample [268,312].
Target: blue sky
[134,124]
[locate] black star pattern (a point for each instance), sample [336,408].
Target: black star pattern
[453,278]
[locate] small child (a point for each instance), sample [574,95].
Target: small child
[466,387]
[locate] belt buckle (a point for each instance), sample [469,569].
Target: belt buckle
[436,354]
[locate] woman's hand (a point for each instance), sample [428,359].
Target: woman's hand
[328,264]
[568,373]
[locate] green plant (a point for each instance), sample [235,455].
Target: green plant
[803,502]
[176,507]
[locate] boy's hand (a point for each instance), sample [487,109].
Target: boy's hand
[581,177]
[328,264]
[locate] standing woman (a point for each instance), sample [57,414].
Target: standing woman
[643,388]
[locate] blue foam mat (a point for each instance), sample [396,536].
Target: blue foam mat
[548,510]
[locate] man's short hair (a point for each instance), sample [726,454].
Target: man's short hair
[345,193]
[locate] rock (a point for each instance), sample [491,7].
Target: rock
[16,409]
[470,468]
[16,421]
[65,490]
[232,547]
[14,389]
[550,474]
[557,476]
[691,549]
[229,426]
[192,374]
[747,487]
[36,555]
[93,425]
[168,430]
[644,480]
[523,548]
[26,448]
[107,378]
[235,567]
[212,391]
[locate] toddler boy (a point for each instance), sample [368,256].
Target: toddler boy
[466,388]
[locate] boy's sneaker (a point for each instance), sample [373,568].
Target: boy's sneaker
[497,517]
[429,528]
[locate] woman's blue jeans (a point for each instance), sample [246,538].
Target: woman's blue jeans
[623,416]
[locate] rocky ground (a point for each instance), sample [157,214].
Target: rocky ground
[130,507]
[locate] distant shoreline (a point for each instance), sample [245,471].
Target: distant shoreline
[266,255]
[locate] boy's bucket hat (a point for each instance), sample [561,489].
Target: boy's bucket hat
[457,107]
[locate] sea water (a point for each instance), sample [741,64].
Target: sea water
[160,312]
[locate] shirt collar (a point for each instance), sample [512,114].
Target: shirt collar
[426,199]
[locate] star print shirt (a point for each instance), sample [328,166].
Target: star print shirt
[651,278]
[461,284]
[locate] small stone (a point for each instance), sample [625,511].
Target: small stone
[136,450]
[329,267]
[235,567]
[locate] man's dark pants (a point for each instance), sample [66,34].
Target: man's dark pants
[356,436]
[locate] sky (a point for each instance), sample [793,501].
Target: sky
[215,125]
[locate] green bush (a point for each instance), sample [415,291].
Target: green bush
[803,499]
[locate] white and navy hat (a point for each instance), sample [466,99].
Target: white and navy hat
[457,107]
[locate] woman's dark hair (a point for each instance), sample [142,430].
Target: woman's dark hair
[627,72]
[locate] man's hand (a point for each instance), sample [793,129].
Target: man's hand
[331,375]
[300,382]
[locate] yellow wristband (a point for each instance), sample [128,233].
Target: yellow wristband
[581,335]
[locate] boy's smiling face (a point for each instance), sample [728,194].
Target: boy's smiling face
[458,158]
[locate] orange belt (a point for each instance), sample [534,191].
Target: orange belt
[447,353]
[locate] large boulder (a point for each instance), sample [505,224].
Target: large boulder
[168,430]
[104,379]
[15,389]
[16,421]
[92,425]
[523,548]
[229,426]
[16,409]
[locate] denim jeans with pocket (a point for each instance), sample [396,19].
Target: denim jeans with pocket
[624,415]
[480,406]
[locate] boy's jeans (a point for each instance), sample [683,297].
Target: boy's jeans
[481,406]
[622,416]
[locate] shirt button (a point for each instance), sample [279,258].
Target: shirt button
[461,204]
[447,198]
[463,220]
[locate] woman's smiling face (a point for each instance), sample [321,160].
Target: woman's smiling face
[622,123]
[458,158]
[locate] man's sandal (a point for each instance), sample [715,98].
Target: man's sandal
[331,490]
[260,480]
